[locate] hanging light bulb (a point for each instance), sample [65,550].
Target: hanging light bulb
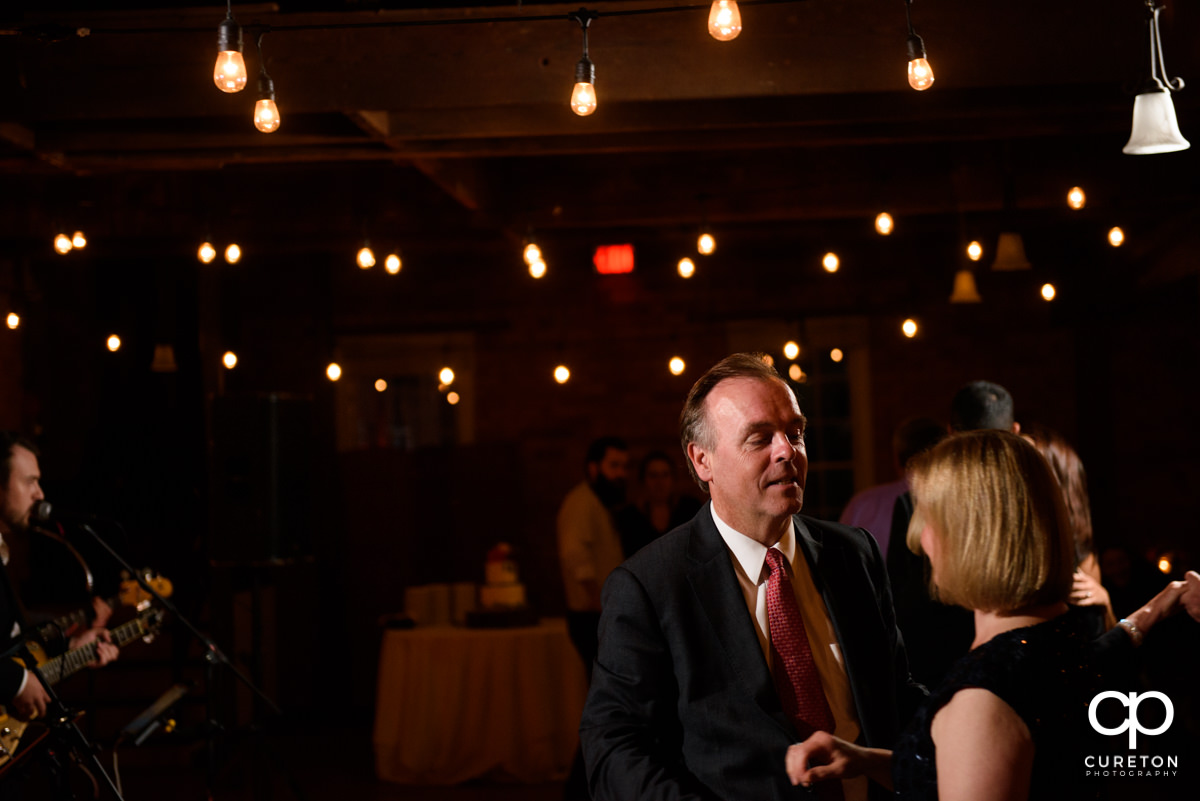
[686,267]
[229,360]
[79,241]
[676,365]
[266,113]
[13,320]
[365,257]
[1116,237]
[796,373]
[831,262]
[1048,292]
[392,263]
[1155,127]
[836,355]
[206,253]
[233,254]
[705,245]
[965,290]
[537,269]
[791,350]
[920,74]
[452,398]
[446,376]
[1075,198]
[724,20]
[561,374]
[62,243]
[229,74]
[334,371]
[974,251]
[909,327]
[113,343]
[531,253]
[884,223]
[583,96]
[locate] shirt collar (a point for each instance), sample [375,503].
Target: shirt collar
[750,553]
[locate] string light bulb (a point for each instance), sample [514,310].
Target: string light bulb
[920,74]
[537,269]
[206,253]
[13,320]
[791,350]
[365,257]
[1116,237]
[831,262]
[334,371]
[446,376]
[452,398]
[836,355]
[266,113]
[561,374]
[676,365]
[233,253]
[686,267]
[62,244]
[884,223]
[796,373]
[909,328]
[705,245]
[1048,292]
[724,20]
[229,360]
[393,264]
[583,96]
[229,74]
[532,253]
[1076,199]
[974,251]
[380,385]
[113,343]
[79,241]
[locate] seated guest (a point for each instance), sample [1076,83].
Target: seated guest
[1006,722]
[661,507]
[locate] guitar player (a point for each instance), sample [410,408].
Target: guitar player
[20,692]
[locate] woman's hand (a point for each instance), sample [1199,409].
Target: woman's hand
[823,757]
[1086,590]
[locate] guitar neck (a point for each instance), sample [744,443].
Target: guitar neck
[79,617]
[64,665]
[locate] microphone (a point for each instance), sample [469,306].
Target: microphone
[43,512]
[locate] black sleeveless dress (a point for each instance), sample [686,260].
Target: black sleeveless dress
[1045,673]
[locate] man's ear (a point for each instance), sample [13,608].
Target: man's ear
[1016,427]
[701,461]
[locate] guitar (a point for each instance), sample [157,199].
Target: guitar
[130,594]
[144,626]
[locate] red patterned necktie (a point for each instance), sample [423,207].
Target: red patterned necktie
[796,677]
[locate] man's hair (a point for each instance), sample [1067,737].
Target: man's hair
[916,435]
[693,421]
[1068,469]
[600,447]
[1003,538]
[980,405]
[8,440]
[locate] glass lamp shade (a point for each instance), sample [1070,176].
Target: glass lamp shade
[965,290]
[1155,128]
[1010,253]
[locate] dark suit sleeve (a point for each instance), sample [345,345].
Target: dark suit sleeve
[630,733]
[11,676]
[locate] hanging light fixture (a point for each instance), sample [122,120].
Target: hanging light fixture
[113,343]
[965,290]
[393,263]
[1010,253]
[266,113]
[831,262]
[62,244]
[365,256]
[686,267]
[13,321]
[1076,199]
[724,20]
[920,74]
[974,251]
[229,74]
[884,224]
[1155,127]
[583,97]
[233,253]
[79,241]
[532,253]
[164,358]
[206,253]
[705,244]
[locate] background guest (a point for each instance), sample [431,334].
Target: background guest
[661,506]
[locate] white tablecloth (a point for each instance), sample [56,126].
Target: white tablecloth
[455,704]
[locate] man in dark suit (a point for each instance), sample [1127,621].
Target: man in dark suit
[705,675]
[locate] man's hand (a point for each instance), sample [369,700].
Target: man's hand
[102,612]
[31,701]
[1191,594]
[105,650]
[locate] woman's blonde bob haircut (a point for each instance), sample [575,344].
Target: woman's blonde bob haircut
[997,513]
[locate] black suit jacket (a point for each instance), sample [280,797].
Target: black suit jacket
[11,673]
[682,705]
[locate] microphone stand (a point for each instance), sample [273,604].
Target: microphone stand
[59,718]
[213,655]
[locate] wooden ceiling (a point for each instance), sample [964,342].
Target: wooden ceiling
[807,116]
